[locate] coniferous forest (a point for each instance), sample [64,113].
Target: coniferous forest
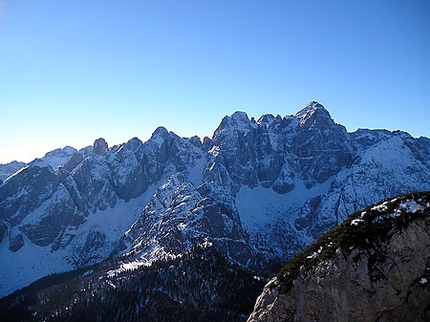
[199,286]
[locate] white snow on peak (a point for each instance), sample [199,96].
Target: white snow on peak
[158,137]
[237,122]
[40,163]
[59,157]
[10,169]
[308,111]
[240,116]
[265,119]
[387,152]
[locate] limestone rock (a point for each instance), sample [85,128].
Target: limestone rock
[382,274]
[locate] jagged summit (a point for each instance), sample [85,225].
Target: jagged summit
[239,116]
[236,122]
[314,114]
[311,106]
[160,131]
[259,191]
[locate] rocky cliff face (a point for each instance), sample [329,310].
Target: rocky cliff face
[259,191]
[374,267]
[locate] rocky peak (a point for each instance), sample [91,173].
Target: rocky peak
[310,107]
[239,117]
[160,131]
[237,122]
[268,120]
[39,163]
[134,144]
[196,142]
[160,136]
[314,114]
[14,203]
[59,157]
[100,147]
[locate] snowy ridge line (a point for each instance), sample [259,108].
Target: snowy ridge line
[260,191]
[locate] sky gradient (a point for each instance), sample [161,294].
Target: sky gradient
[74,71]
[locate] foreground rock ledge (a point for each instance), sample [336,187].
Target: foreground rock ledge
[352,287]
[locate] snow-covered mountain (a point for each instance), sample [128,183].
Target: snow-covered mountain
[258,192]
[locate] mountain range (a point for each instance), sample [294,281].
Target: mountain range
[255,194]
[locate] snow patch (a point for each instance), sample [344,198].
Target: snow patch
[195,175]
[357,222]
[29,263]
[260,207]
[214,151]
[315,254]
[423,280]
[381,208]
[410,206]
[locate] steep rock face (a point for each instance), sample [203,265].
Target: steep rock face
[321,146]
[49,222]
[178,218]
[57,203]
[276,151]
[165,215]
[27,190]
[323,172]
[375,267]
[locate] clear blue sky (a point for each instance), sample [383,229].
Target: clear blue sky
[74,71]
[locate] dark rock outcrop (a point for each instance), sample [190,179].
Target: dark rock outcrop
[100,147]
[16,242]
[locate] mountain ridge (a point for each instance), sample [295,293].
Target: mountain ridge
[258,191]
